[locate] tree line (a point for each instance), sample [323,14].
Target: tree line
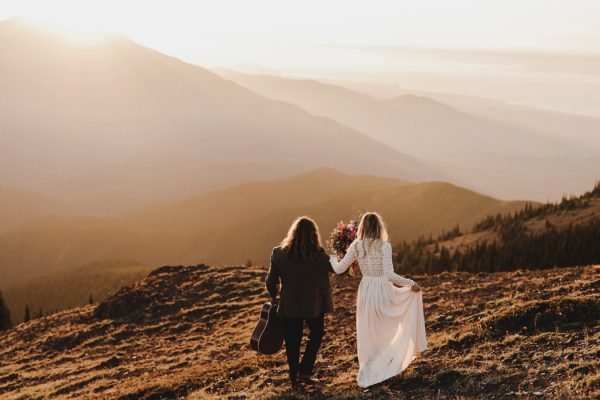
[515,247]
[530,211]
[6,321]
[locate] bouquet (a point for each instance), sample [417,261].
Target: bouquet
[340,239]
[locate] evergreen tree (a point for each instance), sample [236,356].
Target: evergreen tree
[516,246]
[444,262]
[5,322]
[27,316]
[90,299]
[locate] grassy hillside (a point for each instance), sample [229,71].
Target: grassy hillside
[554,234]
[183,332]
[240,223]
[71,287]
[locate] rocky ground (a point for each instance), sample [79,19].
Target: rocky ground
[183,332]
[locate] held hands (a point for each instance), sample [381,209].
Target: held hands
[415,288]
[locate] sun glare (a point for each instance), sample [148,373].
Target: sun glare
[74,33]
[428,45]
[77,23]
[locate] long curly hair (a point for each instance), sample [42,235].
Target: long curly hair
[303,240]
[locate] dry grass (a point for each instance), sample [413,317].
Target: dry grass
[183,333]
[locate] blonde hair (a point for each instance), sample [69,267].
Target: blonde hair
[371,229]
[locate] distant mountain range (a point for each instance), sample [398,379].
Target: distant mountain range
[111,125]
[416,124]
[504,150]
[576,128]
[240,223]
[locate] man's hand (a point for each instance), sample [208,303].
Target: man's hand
[415,288]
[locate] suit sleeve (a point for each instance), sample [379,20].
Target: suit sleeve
[272,280]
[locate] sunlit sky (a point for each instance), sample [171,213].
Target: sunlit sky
[422,44]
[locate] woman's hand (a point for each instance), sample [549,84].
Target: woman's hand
[415,288]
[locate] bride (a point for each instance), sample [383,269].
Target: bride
[390,325]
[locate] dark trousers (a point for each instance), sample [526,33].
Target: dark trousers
[293,328]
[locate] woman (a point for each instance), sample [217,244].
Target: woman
[301,266]
[390,326]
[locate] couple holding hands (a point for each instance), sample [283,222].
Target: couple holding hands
[390,324]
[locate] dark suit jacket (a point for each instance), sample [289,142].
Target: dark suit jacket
[305,286]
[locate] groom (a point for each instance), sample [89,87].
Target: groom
[305,296]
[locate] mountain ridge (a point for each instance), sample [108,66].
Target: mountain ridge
[293,90]
[113,125]
[487,147]
[244,222]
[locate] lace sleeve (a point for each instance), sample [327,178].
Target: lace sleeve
[388,268]
[349,258]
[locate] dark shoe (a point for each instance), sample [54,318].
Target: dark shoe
[296,388]
[307,379]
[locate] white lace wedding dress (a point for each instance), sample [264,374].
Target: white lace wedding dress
[390,325]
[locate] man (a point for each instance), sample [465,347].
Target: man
[301,267]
